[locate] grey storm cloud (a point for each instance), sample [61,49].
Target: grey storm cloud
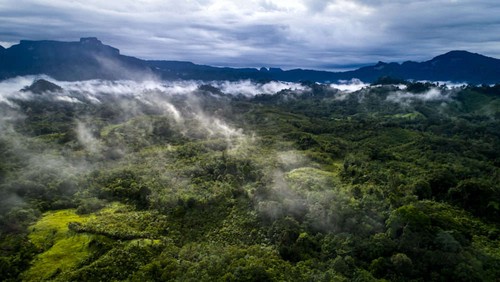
[294,33]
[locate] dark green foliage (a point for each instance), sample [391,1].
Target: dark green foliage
[16,255]
[226,169]
[122,185]
[387,80]
[419,87]
[90,205]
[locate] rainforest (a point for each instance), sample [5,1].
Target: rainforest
[248,181]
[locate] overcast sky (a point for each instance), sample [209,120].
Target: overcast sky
[287,33]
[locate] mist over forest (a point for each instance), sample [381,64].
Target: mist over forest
[186,180]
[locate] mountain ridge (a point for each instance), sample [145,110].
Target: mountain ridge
[89,58]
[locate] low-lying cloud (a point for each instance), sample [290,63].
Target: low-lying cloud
[159,94]
[249,89]
[433,94]
[92,89]
[349,85]
[183,103]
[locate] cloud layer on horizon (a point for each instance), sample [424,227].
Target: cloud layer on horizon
[296,33]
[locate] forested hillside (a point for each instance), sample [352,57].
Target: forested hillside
[122,181]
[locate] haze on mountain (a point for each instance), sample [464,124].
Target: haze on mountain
[89,58]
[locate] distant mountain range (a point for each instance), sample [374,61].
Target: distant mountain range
[90,59]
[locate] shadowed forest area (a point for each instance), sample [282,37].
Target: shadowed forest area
[396,181]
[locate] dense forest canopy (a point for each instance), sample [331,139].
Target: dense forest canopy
[248,181]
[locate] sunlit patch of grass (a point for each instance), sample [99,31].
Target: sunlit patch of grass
[120,221]
[62,250]
[64,255]
[53,226]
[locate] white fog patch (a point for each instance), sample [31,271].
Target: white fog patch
[284,199]
[224,129]
[291,159]
[349,86]
[215,127]
[433,94]
[15,84]
[5,100]
[93,89]
[8,117]
[249,88]
[181,87]
[92,99]
[120,87]
[86,138]
[9,89]
[170,110]
[451,85]
[67,99]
